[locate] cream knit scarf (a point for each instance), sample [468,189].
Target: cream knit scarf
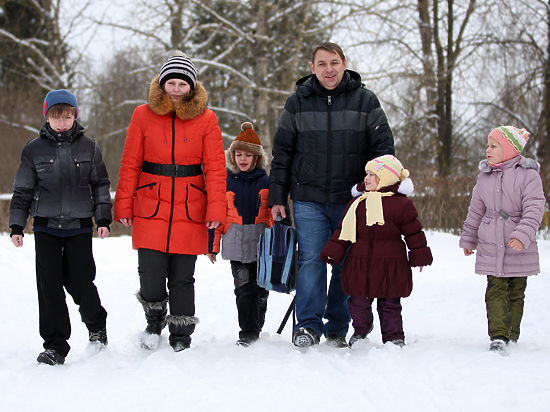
[375,214]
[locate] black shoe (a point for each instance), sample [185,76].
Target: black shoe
[51,357]
[98,337]
[246,339]
[498,344]
[305,337]
[337,341]
[398,342]
[356,337]
[179,345]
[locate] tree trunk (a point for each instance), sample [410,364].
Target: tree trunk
[543,149]
[260,78]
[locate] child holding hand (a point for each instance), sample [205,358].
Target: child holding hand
[377,265]
[505,213]
[247,216]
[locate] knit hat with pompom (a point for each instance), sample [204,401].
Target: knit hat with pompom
[389,170]
[511,139]
[178,66]
[247,141]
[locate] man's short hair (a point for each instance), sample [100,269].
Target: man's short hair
[330,47]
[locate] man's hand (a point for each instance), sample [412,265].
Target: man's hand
[277,210]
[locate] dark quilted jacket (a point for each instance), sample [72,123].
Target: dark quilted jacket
[63,179]
[324,139]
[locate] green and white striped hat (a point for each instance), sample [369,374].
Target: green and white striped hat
[511,139]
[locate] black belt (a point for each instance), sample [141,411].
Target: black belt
[171,170]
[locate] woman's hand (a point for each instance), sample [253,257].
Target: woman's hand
[468,252]
[212,225]
[211,257]
[126,222]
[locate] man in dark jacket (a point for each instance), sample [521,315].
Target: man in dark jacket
[329,129]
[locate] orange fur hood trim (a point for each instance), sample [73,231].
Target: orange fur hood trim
[160,103]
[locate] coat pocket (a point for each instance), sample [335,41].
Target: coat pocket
[195,203]
[83,166]
[147,200]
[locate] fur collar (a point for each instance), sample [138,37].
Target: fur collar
[160,102]
[262,164]
[524,162]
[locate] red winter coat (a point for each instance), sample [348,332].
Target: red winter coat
[169,213]
[377,264]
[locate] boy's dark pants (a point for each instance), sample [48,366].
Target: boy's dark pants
[251,299]
[65,262]
[389,313]
[504,299]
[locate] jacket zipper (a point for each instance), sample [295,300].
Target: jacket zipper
[173,183]
[329,146]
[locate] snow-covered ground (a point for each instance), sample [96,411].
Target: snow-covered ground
[444,367]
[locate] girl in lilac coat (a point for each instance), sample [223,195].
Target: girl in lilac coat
[505,213]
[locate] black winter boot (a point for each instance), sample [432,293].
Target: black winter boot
[155,314]
[50,357]
[98,337]
[181,327]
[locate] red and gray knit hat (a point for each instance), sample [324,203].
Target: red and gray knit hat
[511,139]
[247,141]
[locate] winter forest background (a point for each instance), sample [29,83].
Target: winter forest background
[446,72]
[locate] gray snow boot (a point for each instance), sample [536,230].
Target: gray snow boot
[155,314]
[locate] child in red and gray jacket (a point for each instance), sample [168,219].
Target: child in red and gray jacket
[247,216]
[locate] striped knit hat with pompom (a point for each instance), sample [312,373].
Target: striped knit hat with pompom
[511,139]
[178,66]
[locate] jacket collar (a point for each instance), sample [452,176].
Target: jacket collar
[75,132]
[309,84]
[161,104]
[518,161]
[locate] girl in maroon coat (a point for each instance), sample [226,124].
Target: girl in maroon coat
[377,265]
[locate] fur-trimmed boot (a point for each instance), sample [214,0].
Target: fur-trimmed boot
[181,327]
[155,314]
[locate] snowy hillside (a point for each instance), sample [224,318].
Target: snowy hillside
[444,367]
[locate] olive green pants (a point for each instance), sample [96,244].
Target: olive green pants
[504,300]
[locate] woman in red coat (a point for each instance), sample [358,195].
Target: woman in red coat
[377,265]
[171,190]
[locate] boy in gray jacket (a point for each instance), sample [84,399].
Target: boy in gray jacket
[62,183]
